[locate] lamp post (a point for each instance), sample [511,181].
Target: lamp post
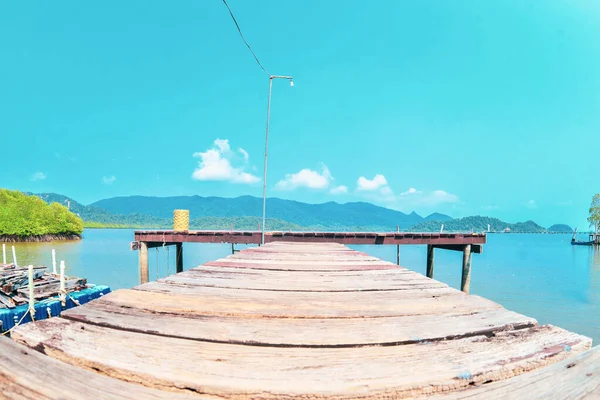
[271,77]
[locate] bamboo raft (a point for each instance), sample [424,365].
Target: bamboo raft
[306,321]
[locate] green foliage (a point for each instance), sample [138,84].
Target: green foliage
[477,224]
[23,215]
[594,217]
[560,228]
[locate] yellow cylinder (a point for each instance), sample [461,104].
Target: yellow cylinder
[181,220]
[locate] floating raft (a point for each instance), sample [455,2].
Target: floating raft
[14,294]
[306,321]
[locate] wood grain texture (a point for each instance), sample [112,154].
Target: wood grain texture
[325,332]
[301,321]
[26,374]
[573,378]
[237,371]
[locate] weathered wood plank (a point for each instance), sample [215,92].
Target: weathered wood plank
[336,332]
[220,302]
[298,266]
[290,284]
[234,371]
[26,374]
[397,279]
[372,303]
[577,377]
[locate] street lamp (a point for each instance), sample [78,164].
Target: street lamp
[271,77]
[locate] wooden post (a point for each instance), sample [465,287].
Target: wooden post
[430,260]
[179,257]
[143,262]
[232,248]
[398,247]
[465,285]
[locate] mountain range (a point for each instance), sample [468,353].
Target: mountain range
[244,213]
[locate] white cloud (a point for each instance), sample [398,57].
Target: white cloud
[371,184]
[108,180]
[411,191]
[38,176]
[244,154]
[215,165]
[530,204]
[413,198]
[339,189]
[440,196]
[307,178]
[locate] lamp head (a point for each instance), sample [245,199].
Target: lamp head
[291,83]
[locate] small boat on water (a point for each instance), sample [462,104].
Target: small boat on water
[593,240]
[577,243]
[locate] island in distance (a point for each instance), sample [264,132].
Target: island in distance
[244,213]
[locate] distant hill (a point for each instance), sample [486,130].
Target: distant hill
[477,224]
[325,216]
[560,228]
[245,212]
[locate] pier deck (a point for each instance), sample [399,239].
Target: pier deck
[467,243]
[290,320]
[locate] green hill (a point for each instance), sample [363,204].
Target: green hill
[560,228]
[24,217]
[325,216]
[477,224]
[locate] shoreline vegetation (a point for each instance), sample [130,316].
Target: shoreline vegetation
[26,218]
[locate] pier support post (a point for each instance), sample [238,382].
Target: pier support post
[430,261]
[465,285]
[398,254]
[179,257]
[143,262]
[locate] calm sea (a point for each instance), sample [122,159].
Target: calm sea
[541,276]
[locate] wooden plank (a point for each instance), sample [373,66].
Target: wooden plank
[304,274]
[250,303]
[52,288]
[400,281]
[576,377]
[330,332]
[29,375]
[475,248]
[254,237]
[233,371]
[377,303]
[298,266]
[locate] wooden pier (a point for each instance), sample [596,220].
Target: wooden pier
[468,243]
[296,321]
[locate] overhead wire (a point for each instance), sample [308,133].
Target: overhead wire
[244,39]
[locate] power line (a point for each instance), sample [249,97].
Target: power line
[242,35]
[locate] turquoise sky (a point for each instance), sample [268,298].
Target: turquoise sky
[464,107]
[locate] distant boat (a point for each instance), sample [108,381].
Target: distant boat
[577,243]
[593,237]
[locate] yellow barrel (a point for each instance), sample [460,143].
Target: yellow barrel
[181,220]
